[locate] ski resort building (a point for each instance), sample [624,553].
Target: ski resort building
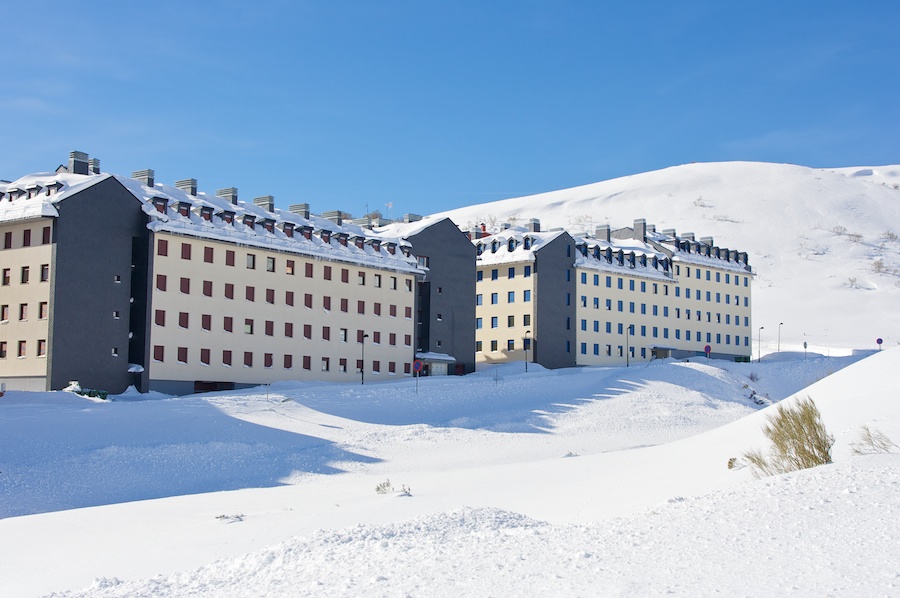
[610,297]
[113,281]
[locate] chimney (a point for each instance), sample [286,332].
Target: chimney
[669,232]
[602,232]
[707,241]
[505,226]
[640,230]
[651,228]
[229,194]
[688,236]
[146,177]
[266,202]
[335,216]
[534,225]
[301,209]
[78,162]
[94,165]
[189,186]
[407,218]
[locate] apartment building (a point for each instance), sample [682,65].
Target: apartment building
[609,298]
[113,280]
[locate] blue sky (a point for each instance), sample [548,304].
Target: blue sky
[434,105]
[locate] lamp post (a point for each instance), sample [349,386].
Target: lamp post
[362,370]
[628,343]
[780,324]
[527,344]
[759,344]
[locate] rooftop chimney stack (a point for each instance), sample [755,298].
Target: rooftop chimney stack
[534,225]
[94,165]
[78,162]
[707,241]
[266,202]
[335,216]
[602,233]
[146,177]
[640,230]
[669,232]
[301,209]
[189,186]
[229,194]
[407,218]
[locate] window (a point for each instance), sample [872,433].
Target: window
[251,261]
[345,275]
[407,340]
[345,305]
[510,321]
[162,247]
[208,258]
[512,272]
[5,277]
[308,300]
[360,307]
[250,294]
[182,354]
[584,278]
[326,364]
[407,312]
[526,296]
[185,286]
[495,298]
[326,333]
[511,345]
[226,357]
[307,362]
[376,307]
[270,296]
[228,324]
[478,322]
[289,298]
[229,290]
[288,362]
[43,310]
[408,282]
[7,240]
[478,298]
[493,345]
[376,338]
[159,353]
[526,320]
[393,283]
[248,326]
[326,274]
[183,319]
[289,329]
[361,278]
[207,288]
[248,359]
[307,331]
[204,356]
[25,271]
[378,282]
[45,272]
[392,339]
[42,349]
[270,266]
[511,297]
[206,322]
[185,253]
[495,322]
[229,261]
[159,317]
[46,239]
[23,311]
[494,274]
[527,272]
[270,328]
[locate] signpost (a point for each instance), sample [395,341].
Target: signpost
[417,367]
[879,341]
[707,349]
[804,349]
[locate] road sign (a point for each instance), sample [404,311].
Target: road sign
[707,349]
[417,365]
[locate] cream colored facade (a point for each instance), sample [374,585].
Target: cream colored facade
[25,265]
[222,311]
[504,311]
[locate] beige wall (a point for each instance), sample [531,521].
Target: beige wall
[33,328]
[171,336]
[520,310]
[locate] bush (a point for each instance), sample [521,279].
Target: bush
[799,441]
[872,442]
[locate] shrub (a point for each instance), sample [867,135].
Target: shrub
[799,441]
[878,266]
[384,487]
[839,230]
[872,442]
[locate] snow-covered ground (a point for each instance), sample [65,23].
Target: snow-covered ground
[582,482]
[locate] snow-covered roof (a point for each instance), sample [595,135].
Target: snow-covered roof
[512,245]
[202,215]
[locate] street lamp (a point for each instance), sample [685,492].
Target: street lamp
[759,344]
[362,370]
[527,343]
[780,324]
[627,342]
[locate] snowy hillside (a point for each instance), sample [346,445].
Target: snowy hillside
[825,243]
[592,481]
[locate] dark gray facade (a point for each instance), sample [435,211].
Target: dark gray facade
[554,327]
[95,275]
[445,322]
